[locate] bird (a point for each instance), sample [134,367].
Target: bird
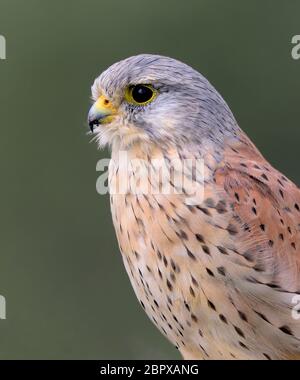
[217,271]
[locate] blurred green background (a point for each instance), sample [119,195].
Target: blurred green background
[68,296]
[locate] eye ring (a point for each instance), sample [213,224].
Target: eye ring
[140,94]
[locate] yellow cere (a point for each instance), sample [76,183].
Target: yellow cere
[104,107]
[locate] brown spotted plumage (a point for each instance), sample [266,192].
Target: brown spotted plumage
[218,277]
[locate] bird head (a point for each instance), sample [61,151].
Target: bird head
[156,100]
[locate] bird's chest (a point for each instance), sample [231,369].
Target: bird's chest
[181,272]
[169,251]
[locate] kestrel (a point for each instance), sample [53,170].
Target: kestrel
[219,276]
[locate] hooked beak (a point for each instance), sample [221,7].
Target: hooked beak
[101,112]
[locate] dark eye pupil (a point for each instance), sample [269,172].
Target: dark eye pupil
[141,94]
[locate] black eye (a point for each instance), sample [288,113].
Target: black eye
[142,93]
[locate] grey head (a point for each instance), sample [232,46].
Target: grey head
[184,109]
